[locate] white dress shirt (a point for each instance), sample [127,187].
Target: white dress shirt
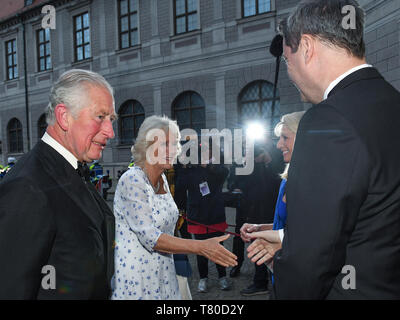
[344,75]
[60,149]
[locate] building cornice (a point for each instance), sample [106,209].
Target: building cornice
[25,14]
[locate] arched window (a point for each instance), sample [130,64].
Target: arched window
[42,125]
[131,115]
[189,111]
[255,103]
[14,132]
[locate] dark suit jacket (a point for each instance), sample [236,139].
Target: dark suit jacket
[260,190]
[343,196]
[48,216]
[207,209]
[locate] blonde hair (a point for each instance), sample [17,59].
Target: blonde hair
[142,144]
[291,121]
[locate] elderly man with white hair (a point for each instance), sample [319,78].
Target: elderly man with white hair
[56,232]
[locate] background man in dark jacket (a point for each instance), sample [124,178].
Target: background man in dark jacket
[259,192]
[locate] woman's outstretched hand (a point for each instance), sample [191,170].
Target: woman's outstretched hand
[214,251]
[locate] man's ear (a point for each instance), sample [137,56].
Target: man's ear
[308,47]
[61,113]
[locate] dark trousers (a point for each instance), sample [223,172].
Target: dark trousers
[183,231]
[261,276]
[238,244]
[202,262]
[238,249]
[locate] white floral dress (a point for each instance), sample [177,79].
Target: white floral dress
[141,216]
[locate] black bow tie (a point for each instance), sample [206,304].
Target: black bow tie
[83,171]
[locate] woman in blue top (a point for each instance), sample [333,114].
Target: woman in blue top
[269,236]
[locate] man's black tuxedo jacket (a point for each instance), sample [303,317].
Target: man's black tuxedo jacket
[343,196]
[48,216]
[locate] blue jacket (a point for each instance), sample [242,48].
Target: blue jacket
[280,209]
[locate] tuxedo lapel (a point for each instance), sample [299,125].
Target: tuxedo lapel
[69,181]
[362,74]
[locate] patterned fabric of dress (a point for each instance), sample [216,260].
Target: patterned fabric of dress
[141,216]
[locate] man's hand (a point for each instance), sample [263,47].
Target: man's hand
[264,247]
[248,229]
[214,251]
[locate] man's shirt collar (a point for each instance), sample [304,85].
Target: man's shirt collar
[60,149]
[344,75]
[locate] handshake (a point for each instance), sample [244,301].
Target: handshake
[267,242]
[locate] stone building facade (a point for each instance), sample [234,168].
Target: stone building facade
[204,62]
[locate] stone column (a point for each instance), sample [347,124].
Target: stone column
[157,99]
[220,101]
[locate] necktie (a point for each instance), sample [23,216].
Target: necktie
[83,171]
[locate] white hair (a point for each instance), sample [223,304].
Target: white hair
[153,123]
[70,89]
